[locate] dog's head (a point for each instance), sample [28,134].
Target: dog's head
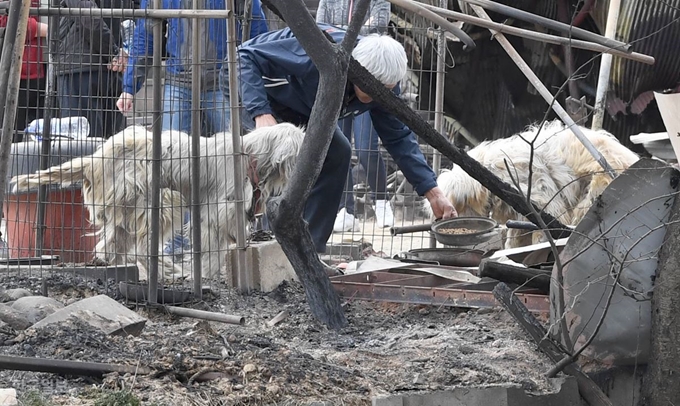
[274,151]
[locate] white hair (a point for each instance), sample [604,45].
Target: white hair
[383,56]
[116,189]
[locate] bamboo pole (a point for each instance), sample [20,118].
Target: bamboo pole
[605,66]
[552,24]
[536,82]
[537,36]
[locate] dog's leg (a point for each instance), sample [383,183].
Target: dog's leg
[114,246]
[218,227]
[213,257]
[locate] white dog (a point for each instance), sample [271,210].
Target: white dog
[565,178]
[116,184]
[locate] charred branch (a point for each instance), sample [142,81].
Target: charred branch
[64,367]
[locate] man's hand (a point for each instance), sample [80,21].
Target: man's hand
[441,206]
[265,120]
[124,102]
[119,63]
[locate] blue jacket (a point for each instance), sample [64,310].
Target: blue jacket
[178,64]
[275,69]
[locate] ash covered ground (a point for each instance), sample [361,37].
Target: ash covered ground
[386,349]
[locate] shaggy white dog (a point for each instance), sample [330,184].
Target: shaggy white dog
[565,178]
[116,184]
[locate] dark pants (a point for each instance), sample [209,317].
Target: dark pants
[324,199]
[92,95]
[30,104]
[368,151]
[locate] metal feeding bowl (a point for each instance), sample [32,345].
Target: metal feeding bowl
[462,231]
[447,256]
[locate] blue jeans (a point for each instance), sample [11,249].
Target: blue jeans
[177,110]
[368,151]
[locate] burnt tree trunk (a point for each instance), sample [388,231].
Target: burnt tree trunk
[662,380]
[285,211]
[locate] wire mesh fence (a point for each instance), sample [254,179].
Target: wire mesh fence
[97,69]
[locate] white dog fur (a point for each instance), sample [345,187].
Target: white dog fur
[565,178]
[116,184]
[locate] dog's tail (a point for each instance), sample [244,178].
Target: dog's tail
[66,174]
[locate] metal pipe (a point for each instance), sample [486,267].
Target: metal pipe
[65,367]
[46,142]
[440,83]
[605,66]
[196,75]
[552,24]
[537,36]
[418,9]
[410,229]
[203,315]
[124,13]
[240,276]
[536,82]
[10,71]
[157,106]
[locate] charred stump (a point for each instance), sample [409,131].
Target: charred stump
[285,212]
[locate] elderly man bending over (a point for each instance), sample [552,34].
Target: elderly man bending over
[278,82]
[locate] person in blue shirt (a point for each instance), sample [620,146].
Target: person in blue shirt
[278,82]
[178,79]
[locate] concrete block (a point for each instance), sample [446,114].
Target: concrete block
[36,308]
[491,396]
[270,266]
[101,312]
[267,264]
[8,397]
[566,394]
[622,385]
[352,250]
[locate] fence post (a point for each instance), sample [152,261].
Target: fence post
[240,275]
[10,71]
[440,82]
[196,75]
[156,155]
